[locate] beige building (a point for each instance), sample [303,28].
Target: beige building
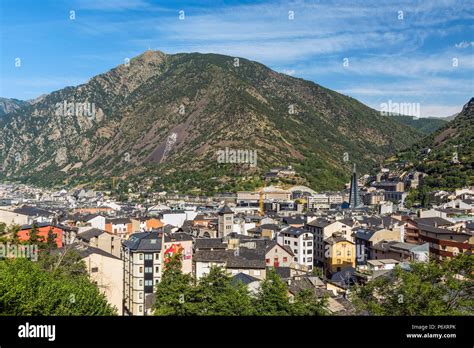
[103,240]
[10,218]
[225,222]
[106,271]
[270,193]
[322,230]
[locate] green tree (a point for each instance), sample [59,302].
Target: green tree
[432,288]
[307,304]
[13,232]
[26,289]
[66,262]
[272,298]
[51,239]
[218,296]
[175,294]
[34,238]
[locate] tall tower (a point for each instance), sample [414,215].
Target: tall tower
[225,221]
[354,199]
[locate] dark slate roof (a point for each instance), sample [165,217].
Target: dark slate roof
[283,272]
[86,250]
[32,211]
[209,243]
[295,231]
[294,220]
[437,230]
[118,221]
[347,221]
[272,227]
[225,210]
[245,258]
[321,223]
[212,255]
[91,233]
[345,277]
[178,237]
[243,278]
[336,239]
[144,241]
[46,224]
[433,221]
[364,234]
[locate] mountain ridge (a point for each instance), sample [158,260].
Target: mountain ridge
[165,116]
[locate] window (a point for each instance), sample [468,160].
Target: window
[157,256]
[148,256]
[148,269]
[295,243]
[140,308]
[285,259]
[267,260]
[148,282]
[140,295]
[140,256]
[140,269]
[95,269]
[157,269]
[156,281]
[140,282]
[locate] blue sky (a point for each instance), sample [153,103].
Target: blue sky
[403,51]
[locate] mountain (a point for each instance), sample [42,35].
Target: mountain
[449,118]
[9,105]
[426,125]
[447,155]
[161,119]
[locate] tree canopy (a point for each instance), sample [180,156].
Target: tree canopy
[27,289]
[445,288]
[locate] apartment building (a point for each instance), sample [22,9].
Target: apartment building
[323,229]
[142,258]
[300,241]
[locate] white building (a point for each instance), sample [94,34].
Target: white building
[300,242]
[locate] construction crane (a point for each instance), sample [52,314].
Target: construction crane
[114,181]
[260,203]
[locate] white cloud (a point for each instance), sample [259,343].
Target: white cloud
[464,44]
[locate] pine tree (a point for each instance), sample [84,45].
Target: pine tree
[51,239]
[272,298]
[34,238]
